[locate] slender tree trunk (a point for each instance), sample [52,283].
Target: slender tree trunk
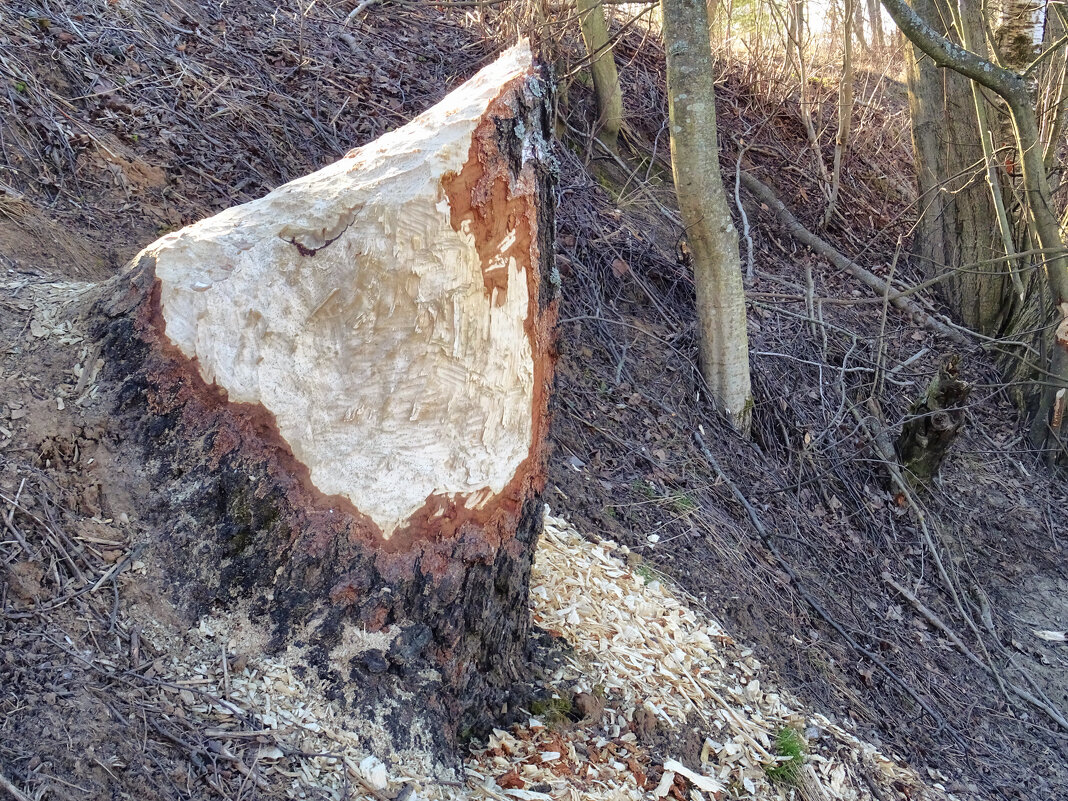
[875,22]
[703,203]
[603,66]
[796,46]
[793,31]
[856,9]
[845,113]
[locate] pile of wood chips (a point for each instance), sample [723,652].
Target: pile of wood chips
[645,671]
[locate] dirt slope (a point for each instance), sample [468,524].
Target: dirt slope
[125,120]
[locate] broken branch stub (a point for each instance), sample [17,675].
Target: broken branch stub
[343,388]
[934,422]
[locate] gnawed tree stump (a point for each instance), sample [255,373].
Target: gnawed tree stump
[933,424]
[342,388]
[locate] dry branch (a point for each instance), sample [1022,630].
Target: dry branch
[15,792]
[816,606]
[1051,711]
[901,301]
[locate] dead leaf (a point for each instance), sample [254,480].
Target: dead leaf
[511,781]
[24,579]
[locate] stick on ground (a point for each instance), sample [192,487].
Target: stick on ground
[766,195]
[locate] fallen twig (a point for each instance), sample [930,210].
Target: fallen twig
[936,621]
[811,601]
[766,195]
[15,792]
[746,235]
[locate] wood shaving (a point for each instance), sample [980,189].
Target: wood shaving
[638,645]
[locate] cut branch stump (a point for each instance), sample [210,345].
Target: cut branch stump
[933,424]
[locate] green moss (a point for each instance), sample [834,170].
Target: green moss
[644,488]
[647,573]
[681,502]
[554,711]
[789,744]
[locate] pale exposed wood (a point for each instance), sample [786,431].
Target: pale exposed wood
[362,309]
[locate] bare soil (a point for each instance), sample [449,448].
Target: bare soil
[128,120]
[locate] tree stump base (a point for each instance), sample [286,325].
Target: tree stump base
[263,505]
[934,422]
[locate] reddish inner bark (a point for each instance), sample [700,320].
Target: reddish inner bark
[497,207]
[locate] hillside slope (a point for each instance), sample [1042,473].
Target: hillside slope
[125,120]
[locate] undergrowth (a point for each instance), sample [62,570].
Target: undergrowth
[790,748]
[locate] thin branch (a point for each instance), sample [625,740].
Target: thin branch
[765,194]
[936,621]
[15,792]
[766,538]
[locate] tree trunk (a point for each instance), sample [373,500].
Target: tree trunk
[957,232]
[856,9]
[342,388]
[875,21]
[1048,424]
[721,321]
[603,66]
[1020,31]
[845,112]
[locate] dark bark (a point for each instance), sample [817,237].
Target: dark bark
[934,422]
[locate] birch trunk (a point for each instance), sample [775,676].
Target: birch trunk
[1020,31]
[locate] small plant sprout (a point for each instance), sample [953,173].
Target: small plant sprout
[790,749]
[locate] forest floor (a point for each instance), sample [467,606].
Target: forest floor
[899,645]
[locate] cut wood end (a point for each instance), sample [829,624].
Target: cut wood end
[384,311]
